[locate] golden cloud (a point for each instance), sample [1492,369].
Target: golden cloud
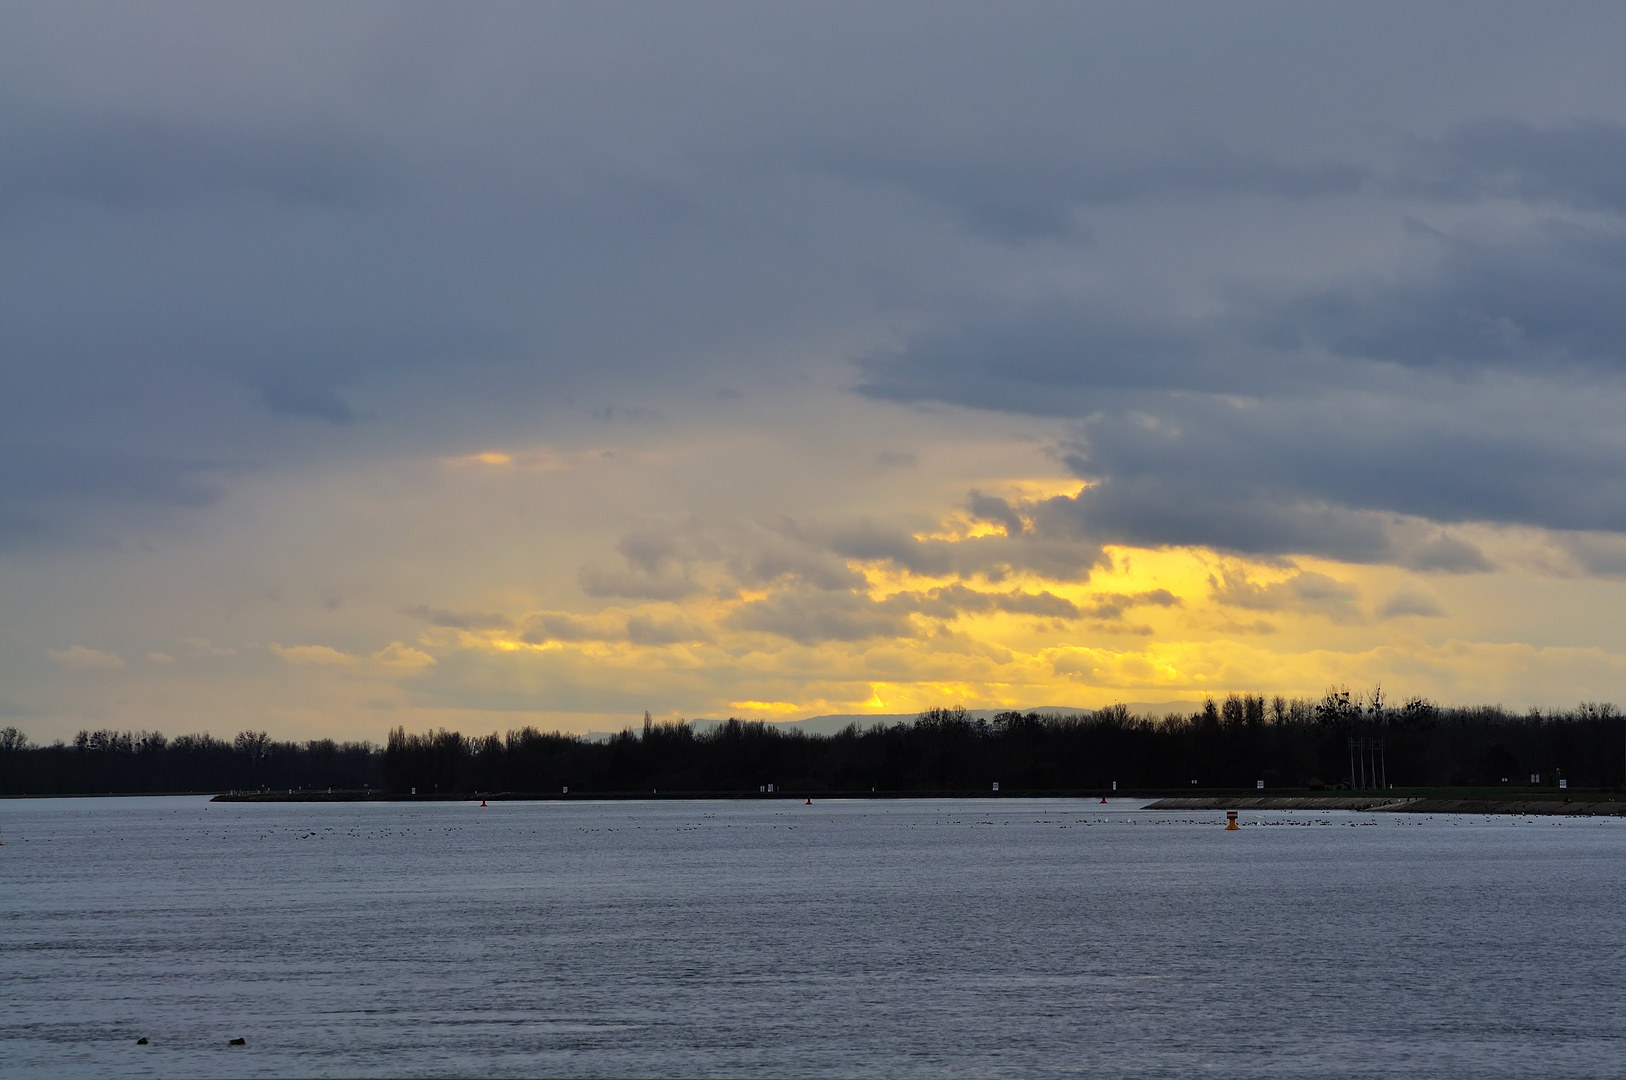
[398,655]
[312,654]
[80,658]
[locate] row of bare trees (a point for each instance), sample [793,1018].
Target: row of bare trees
[132,762]
[1234,742]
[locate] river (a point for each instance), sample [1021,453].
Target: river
[900,938]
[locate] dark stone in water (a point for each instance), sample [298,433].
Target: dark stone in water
[239,1042]
[141,1041]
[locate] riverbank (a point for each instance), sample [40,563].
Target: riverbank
[794,795]
[1411,801]
[1588,805]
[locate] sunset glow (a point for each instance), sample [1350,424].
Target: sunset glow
[546,367]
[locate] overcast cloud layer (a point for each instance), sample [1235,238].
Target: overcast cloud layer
[1270,281]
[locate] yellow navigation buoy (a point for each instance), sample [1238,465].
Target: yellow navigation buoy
[1230,821]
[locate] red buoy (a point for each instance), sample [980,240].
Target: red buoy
[1103,800]
[482,802]
[810,800]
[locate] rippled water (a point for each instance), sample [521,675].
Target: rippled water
[850,938]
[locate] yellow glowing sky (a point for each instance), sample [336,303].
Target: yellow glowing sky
[459,591]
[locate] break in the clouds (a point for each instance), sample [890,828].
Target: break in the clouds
[562,359]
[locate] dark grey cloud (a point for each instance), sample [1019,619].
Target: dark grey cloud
[1017,197]
[641,629]
[460,620]
[671,560]
[783,554]
[1481,386]
[135,161]
[812,618]
[1547,299]
[1155,511]
[951,601]
[598,582]
[652,630]
[1445,554]
[28,474]
[1113,605]
[1306,591]
[665,560]
[43,490]
[563,626]
[1064,551]
[286,397]
[1200,503]
[1057,359]
[650,550]
[996,511]
[1579,162]
[1407,601]
[1317,474]
[303,234]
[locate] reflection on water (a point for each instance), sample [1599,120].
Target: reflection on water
[848,938]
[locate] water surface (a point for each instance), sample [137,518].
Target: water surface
[919,938]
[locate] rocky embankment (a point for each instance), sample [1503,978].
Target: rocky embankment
[1580,807]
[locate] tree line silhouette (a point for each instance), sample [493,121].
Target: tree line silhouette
[1235,743]
[145,762]
[1341,740]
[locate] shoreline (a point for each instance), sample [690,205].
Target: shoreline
[1572,804]
[1411,801]
[1586,806]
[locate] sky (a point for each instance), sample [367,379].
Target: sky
[490,365]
